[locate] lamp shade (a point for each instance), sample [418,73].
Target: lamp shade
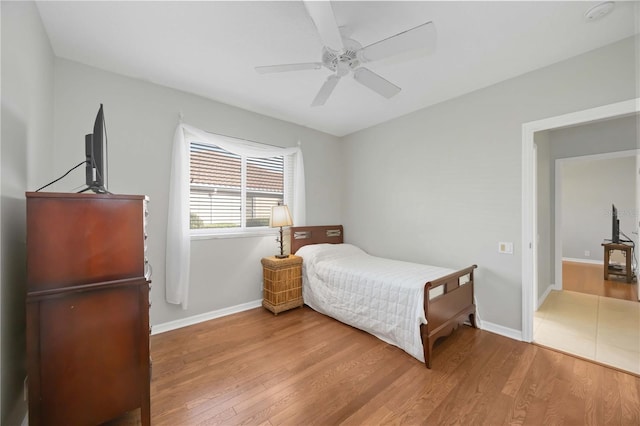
[280,216]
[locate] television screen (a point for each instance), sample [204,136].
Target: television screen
[96,153]
[615,225]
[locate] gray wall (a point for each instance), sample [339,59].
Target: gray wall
[617,134]
[589,188]
[141,118]
[26,143]
[443,185]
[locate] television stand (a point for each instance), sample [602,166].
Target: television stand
[619,270]
[97,190]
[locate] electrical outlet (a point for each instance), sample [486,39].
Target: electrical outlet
[587,253]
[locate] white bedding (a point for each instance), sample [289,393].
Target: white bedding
[380,296]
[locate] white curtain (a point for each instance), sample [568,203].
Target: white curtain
[178,233]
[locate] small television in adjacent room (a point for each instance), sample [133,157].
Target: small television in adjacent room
[96,153]
[615,225]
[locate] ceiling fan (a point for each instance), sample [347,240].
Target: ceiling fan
[343,55]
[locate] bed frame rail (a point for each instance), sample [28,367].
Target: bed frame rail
[448,301]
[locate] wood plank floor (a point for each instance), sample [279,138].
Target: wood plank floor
[589,278]
[302,368]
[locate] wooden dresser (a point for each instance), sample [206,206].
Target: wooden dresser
[87,308]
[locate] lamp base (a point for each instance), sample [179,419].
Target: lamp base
[282,256]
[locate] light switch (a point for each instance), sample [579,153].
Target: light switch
[505,248]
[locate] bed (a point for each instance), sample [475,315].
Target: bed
[405,304]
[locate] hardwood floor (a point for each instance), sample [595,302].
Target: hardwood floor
[301,368]
[589,278]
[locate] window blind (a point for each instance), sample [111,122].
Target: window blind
[232,191]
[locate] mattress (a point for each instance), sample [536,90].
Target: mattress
[383,297]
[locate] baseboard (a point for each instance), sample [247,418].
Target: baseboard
[591,261]
[542,298]
[184,322]
[501,330]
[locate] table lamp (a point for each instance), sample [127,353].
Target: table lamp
[280,217]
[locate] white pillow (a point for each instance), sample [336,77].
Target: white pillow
[320,252]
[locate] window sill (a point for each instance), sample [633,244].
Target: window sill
[270,232]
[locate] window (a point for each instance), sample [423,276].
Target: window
[231,192]
[217,161]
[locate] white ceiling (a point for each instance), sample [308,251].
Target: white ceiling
[211,48]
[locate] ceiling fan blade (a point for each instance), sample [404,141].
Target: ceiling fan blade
[289,67]
[376,83]
[421,37]
[325,90]
[321,14]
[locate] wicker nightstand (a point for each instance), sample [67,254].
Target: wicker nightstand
[282,283]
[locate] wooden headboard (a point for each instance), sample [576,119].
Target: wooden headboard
[304,235]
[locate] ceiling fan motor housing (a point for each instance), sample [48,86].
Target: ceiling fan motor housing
[342,62]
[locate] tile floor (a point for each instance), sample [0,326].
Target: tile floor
[602,329]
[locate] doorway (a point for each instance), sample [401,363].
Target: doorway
[529,198]
[532,293]
[583,314]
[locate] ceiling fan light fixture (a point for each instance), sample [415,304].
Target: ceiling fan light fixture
[599,11]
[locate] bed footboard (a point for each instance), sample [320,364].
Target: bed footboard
[448,301]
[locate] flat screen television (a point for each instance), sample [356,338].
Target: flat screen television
[96,153]
[615,225]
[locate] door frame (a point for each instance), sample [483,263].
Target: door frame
[529,198]
[638,200]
